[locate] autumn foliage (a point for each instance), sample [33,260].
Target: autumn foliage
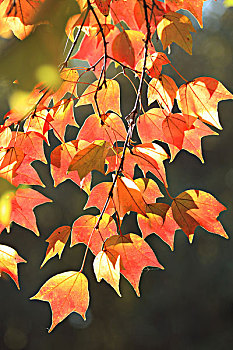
[119,33]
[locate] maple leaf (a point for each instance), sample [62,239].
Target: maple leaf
[23,203]
[31,143]
[12,157]
[120,10]
[103,6]
[149,188]
[98,196]
[105,269]
[83,231]
[200,98]
[127,47]
[57,241]
[109,127]
[195,7]
[26,174]
[62,114]
[127,197]
[108,97]
[40,122]
[160,221]
[175,27]
[66,292]
[179,131]
[9,259]
[155,11]
[61,157]
[135,255]
[5,137]
[194,208]
[70,79]
[90,158]
[163,90]
[92,47]
[154,64]
[26,10]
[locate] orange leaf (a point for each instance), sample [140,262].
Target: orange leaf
[128,197]
[163,90]
[150,190]
[66,292]
[175,27]
[104,268]
[108,97]
[135,255]
[160,221]
[154,64]
[195,7]
[127,47]
[26,10]
[193,208]
[23,203]
[200,98]
[62,114]
[180,131]
[61,157]
[57,241]
[109,127]
[84,230]
[98,197]
[90,158]
[9,259]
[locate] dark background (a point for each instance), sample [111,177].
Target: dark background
[189,305]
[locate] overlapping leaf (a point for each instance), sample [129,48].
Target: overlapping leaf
[109,127]
[90,158]
[84,231]
[105,269]
[135,255]
[108,98]
[200,98]
[160,221]
[177,28]
[193,208]
[180,131]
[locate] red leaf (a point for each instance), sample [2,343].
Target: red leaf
[109,128]
[23,203]
[98,197]
[127,47]
[103,6]
[83,231]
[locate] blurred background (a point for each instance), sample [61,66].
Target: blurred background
[187,306]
